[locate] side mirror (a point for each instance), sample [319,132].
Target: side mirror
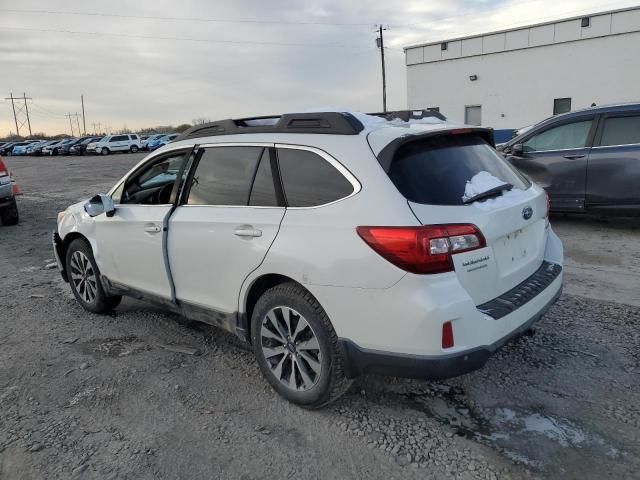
[517,149]
[100,204]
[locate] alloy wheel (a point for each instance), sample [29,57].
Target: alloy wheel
[290,348]
[83,277]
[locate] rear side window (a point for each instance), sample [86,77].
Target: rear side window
[435,171]
[119,138]
[224,175]
[621,131]
[309,180]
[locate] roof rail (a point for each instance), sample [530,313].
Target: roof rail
[335,123]
[406,115]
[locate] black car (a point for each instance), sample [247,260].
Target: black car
[80,148]
[65,149]
[587,160]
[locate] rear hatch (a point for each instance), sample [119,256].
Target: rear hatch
[432,173]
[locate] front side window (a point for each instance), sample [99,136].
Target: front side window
[621,131]
[309,180]
[563,137]
[224,175]
[153,184]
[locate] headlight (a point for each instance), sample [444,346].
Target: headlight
[60,217]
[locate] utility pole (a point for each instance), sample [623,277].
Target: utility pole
[84,123]
[15,118]
[77,117]
[26,109]
[69,115]
[380,44]
[21,110]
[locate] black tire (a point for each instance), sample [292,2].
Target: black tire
[134,149]
[331,382]
[101,303]
[9,214]
[54,152]
[104,151]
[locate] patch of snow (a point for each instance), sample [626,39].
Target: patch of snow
[481,182]
[484,181]
[373,121]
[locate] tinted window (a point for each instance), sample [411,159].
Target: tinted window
[133,137]
[621,131]
[223,176]
[569,135]
[119,138]
[310,180]
[153,184]
[435,171]
[263,192]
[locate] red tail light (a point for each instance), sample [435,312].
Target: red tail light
[447,335]
[3,168]
[424,249]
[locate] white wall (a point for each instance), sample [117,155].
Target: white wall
[516,86]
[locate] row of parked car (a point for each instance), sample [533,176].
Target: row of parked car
[102,145]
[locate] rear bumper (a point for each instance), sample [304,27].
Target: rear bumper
[358,361]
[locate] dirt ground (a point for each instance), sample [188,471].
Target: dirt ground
[88,396]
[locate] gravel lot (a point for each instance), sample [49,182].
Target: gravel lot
[87,396]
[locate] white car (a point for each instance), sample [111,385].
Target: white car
[335,243]
[115,143]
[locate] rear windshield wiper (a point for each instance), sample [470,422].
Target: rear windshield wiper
[492,192]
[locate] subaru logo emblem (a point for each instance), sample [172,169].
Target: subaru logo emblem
[527,213]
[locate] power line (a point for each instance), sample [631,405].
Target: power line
[188,19]
[186,39]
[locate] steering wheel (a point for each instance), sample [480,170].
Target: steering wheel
[164,194]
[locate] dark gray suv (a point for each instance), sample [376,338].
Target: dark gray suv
[587,160]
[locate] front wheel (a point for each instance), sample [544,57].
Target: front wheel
[84,278]
[104,151]
[296,347]
[134,149]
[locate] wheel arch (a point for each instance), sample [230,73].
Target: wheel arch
[253,293]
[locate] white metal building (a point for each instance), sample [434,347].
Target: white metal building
[513,78]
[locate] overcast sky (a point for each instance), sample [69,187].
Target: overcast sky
[245,57]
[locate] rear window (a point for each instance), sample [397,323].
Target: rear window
[435,171]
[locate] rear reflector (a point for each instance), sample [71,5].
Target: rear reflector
[424,249]
[447,335]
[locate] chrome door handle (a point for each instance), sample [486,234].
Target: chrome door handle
[247,232]
[152,229]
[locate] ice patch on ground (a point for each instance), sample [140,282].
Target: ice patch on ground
[482,182]
[562,432]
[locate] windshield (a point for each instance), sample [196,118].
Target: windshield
[436,170]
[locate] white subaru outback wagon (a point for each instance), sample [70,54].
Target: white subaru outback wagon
[335,243]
